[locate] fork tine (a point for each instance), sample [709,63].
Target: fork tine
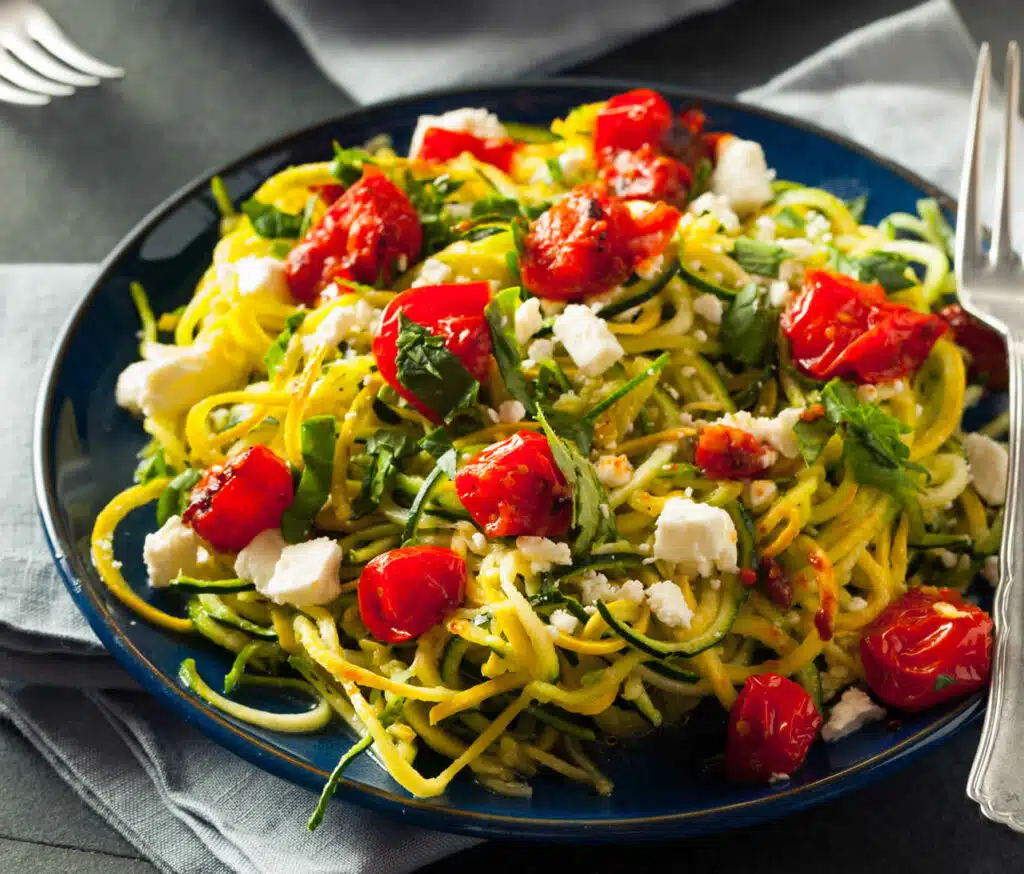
[32,56]
[968,225]
[1002,233]
[23,77]
[44,30]
[10,94]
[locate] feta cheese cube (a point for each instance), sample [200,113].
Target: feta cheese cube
[587,339]
[850,713]
[433,272]
[778,293]
[257,561]
[564,621]
[760,493]
[340,322]
[595,587]
[173,549]
[742,176]
[541,350]
[529,320]
[698,537]
[511,411]
[264,277]
[543,553]
[478,122]
[614,470]
[668,603]
[306,574]
[777,432]
[708,307]
[712,204]
[989,463]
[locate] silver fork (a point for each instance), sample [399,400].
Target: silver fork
[38,62]
[988,284]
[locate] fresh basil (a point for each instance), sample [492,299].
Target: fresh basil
[701,178]
[496,207]
[270,222]
[857,207]
[428,197]
[501,318]
[385,447]
[274,356]
[944,680]
[317,439]
[756,256]
[431,372]
[891,271]
[555,169]
[347,166]
[812,436]
[445,468]
[748,328]
[174,499]
[152,465]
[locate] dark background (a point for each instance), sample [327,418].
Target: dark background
[209,79]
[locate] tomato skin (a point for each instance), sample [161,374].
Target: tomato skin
[239,499]
[911,645]
[407,591]
[636,118]
[440,145]
[838,326]
[647,175]
[724,452]
[514,487]
[361,237]
[452,311]
[989,362]
[772,725]
[589,242]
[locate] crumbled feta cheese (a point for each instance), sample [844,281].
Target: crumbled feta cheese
[543,553]
[171,550]
[541,175]
[779,293]
[850,713]
[493,415]
[948,559]
[715,584]
[989,465]
[867,393]
[264,277]
[698,537]
[511,411]
[700,336]
[587,339]
[541,350]
[668,603]
[339,322]
[529,320]
[857,603]
[990,569]
[306,574]
[614,470]
[572,162]
[799,247]
[817,225]
[713,204]
[433,271]
[709,307]
[650,268]
[766,228]
[256,562]
[564,621]
[595,587]
[760,493]
[742,176]
[478,122]
[777,431]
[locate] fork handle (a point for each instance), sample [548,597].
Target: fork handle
[996,782]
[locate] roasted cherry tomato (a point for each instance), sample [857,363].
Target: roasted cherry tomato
[454,312]
[773,580]
[407,591]
[641,117]
[772,725]
[235,501]
[838,326]
[731,453]
[441,145]
[647,175]
[328,192]
[987,347]
[926,647]
[589,242]
[366,235]
[515,487]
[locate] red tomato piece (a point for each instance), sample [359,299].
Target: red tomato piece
[732,453]
[589,242]
[515,487]
[647,175]
[364,236]
[926,647]
[987,347]
[772,725]
[328,192]
[775,583]
[838,326]
[407,591]
[237,500]
[440,145]
[454,312]
[641,117]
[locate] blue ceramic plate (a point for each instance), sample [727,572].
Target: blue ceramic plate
[85,451]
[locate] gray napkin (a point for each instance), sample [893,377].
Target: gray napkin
[900,86]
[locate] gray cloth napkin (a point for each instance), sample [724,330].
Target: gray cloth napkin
[900,86]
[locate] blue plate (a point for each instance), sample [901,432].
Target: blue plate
[85,450]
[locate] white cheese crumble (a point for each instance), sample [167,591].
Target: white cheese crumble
[709,307]
[779,293]
[948,559]
[306,574]
[587,339]
[595,587]
[668,604]
[541,350]
[698,537]
[433,271]
[760,493]
[264,277]
[478,122]
[564,621]
[650,268]
[511,411]
[850,713]
[341,321]
[766,228]
[798,247]
[777,431]
[857,603]
[256,562]
[614,470]
[543,553]
[171,550]
[572,162]
[713,204]
[529,320]
[817,226]
[989,463]
[742,175]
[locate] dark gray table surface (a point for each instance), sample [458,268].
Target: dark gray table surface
[208,79]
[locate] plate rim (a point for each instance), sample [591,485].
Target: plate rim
[283,764]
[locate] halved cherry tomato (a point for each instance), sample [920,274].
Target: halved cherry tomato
[926,647]
[407,591]
[364,235]
[440,145]
[589,242]
[647,175]
[724,452]
[838,326]
[454,312]
[987,347]
[640,117]
[772,725]
[514,487]
[237,500]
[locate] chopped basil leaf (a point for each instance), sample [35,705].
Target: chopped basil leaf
[857,207]
[347,166]
[758,257]
[555,169]
[385,447]
[748,328]
[428,197]
[174,499]
[317,438]
[701,177]
[943,680]
[501,317]
[431,372]
[152,465]
[811,437]
[270,222]
[274,356]
[888,269]
[445,468]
